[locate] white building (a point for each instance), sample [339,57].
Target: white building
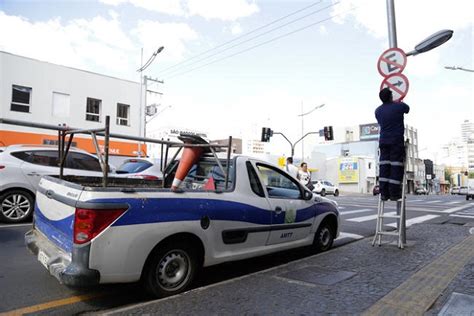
[362,142]
[455,154]
[467,129]
[42,92]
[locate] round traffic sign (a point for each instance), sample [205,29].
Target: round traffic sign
[398,84]
[392,61]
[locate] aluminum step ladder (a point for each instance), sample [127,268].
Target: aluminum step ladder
[400,230]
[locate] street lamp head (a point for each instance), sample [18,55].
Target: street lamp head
[433,41]
[160,49]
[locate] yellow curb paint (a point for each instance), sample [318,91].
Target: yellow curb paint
[52,304]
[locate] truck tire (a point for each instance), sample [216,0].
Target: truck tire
[16,206]
[171,269]
[324,237]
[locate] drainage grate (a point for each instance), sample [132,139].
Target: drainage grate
[318,275]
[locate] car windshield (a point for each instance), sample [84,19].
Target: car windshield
[134,166]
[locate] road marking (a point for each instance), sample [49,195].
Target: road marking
[349,235]
[15,225]
[458,208]
[416,220]
[433,202]
[341,207]
[368,218]
[454,202]
[462,215]
[52,304]
[357,211]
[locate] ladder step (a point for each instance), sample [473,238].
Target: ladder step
[390,216]
[388,233]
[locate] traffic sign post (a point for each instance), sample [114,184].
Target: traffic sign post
[392,61]
[398,83]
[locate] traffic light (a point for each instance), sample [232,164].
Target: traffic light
[266,134]
[328,133]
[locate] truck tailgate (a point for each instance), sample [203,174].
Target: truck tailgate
[54,212]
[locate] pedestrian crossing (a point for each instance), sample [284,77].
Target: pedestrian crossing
[367,214]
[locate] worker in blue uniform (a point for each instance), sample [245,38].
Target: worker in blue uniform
[391,145]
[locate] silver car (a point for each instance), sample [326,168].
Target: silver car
[139,168]
[21,168]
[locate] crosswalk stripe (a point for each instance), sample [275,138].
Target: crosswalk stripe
[433,202]
[454,202]
[458,208]
[349,235]
[462,215]
[356,211]
[415,220]
[367,218]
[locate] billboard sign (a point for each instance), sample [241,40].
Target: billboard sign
[348,171]
[369,131]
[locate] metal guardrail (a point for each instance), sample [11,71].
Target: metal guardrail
[63,149]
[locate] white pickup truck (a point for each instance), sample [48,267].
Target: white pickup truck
[85,234]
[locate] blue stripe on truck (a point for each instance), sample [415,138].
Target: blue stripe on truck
[60,232]
[144,211]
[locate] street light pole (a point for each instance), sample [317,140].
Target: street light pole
[458,68]
[392,25]
[141,112]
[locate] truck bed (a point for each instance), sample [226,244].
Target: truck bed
[112,182]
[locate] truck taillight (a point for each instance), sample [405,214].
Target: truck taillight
[90,223]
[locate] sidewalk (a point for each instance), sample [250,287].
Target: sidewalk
[434,274]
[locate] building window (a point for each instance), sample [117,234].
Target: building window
[123,113]
[21,97]
[61,104]
[93,110]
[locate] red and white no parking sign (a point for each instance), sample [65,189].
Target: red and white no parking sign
[398,83]
[392,61]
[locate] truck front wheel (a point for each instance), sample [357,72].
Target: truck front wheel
[171,269]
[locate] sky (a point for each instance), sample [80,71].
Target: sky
[231,67]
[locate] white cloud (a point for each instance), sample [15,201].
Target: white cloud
[171,7]
[76,43]
[226,10]
[236,29]
[415,21]
[172,36]
[113,2]
[323,30]
[87,43]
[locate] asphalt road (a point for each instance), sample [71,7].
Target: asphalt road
[26,287]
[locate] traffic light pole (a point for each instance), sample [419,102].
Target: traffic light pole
[294,144]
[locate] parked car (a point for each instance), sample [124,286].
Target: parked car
[323,187]
[86,235]
[139,168]
[470,189]
[21,168]
[454,190]
[462,191]
[421,191]
[376,189]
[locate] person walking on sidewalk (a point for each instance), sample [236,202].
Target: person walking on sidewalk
[390,115]
[291,168]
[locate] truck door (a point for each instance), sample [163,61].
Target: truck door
[292,216]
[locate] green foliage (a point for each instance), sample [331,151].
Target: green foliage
[471,175]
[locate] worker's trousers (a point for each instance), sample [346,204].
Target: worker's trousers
[391,170]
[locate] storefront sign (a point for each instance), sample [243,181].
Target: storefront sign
[369,131]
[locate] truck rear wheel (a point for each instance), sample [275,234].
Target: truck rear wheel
[171,269]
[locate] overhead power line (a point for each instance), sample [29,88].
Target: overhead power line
[249,39]
[263,43]
[243,35]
